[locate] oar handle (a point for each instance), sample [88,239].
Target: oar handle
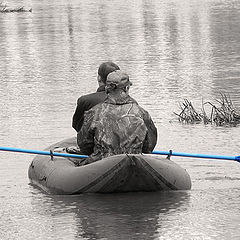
[235,158]
[10,149]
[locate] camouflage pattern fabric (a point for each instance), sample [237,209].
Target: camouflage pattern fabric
[118,125]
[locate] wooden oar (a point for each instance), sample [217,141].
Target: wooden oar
[169,153]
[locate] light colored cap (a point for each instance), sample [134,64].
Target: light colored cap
[118,78]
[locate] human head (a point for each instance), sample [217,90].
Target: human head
[106,68]
[117,80]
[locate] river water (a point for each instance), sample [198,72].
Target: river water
[172,50]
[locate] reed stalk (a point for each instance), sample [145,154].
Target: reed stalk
[221,113]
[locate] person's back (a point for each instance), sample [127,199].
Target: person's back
[116,126]
[86,102]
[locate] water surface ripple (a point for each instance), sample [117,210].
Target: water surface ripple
[172,50]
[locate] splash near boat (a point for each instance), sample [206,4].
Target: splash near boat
[119,173]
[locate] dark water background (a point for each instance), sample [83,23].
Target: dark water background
[172,50]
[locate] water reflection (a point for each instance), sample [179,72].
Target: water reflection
[226,50]
[114,216]
[175,47]
[172,50]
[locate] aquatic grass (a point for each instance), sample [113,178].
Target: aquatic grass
[221,113]
[188,113]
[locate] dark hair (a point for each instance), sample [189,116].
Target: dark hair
[106,68]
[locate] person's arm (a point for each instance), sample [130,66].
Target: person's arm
[85,137]
[85,103]
[151,137]
[78,117]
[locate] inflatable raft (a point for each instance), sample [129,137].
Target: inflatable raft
[119,173]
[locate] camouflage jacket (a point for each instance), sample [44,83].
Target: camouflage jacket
[118,125]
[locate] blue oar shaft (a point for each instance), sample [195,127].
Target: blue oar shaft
[41,152]
[235,158]
[21,150]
